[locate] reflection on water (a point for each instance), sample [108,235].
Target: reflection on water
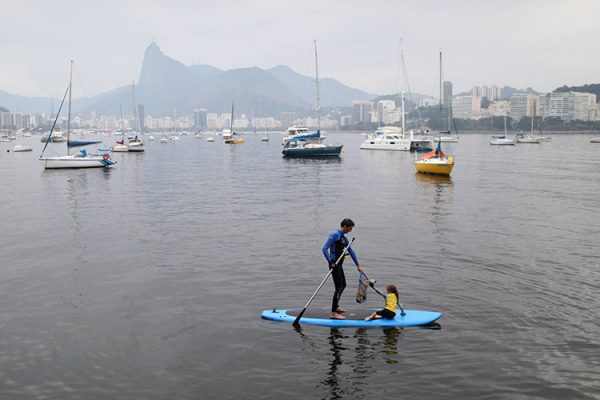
[434,179]
[353,359]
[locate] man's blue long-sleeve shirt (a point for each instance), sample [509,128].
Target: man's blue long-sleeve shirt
[329,247]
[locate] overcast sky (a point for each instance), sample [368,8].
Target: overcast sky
[541,44]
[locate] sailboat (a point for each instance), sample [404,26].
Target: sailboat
[309,144]
[232,137]
[80,159]
[122,145]
[502,140]
[541,137]
[435,162]
[265,138]
[529,138]
[135,143]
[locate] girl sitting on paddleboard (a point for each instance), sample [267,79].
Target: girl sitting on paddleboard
[391,301]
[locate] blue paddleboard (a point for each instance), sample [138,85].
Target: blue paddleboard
[354,318]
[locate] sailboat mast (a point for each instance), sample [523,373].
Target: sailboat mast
[403,114]
[440,125]
[121,123]
[317,83]
[135,110]
[69,113]
[231,120]
[532,116]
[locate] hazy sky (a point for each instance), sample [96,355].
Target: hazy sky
[542,44]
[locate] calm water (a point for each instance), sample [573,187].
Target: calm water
[146,281]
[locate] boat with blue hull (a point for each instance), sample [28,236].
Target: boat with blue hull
[301,143]
[312,150]
[309,145]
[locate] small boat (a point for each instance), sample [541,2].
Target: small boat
[136,145]
[120,148]
[122,145]
[595,139]
[435,162]
[210,139]
[21,147]
[521,138]
[229,135]
[529,138]
[448,139]
[502,140]
[151,138]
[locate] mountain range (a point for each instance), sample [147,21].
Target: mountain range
[168,87]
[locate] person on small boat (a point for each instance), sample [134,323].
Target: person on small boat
[391,301]
[332,250]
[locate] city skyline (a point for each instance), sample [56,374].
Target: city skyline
[538,44]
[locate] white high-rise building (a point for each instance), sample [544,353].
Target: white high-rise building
[523,105]
[466,107]
[492,93]
[569,106]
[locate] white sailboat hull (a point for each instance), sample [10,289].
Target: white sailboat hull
[448,139]
[136,146]
[502,142]
[378,144]
[76,161]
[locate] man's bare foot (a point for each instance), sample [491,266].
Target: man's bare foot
[340,310]
[335,315]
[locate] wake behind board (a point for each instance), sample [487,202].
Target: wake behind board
[354,318]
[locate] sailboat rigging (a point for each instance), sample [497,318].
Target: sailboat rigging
[435,162]
[77,160]
[300,143]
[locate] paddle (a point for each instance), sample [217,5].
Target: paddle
[402,312]
[296,322]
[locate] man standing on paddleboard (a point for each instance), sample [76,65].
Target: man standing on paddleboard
[333,249]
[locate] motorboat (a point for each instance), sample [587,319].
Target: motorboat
[387,138]
[595,139]
[210,139]
[55,136]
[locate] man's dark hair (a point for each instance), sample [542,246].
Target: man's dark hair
[347,222]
